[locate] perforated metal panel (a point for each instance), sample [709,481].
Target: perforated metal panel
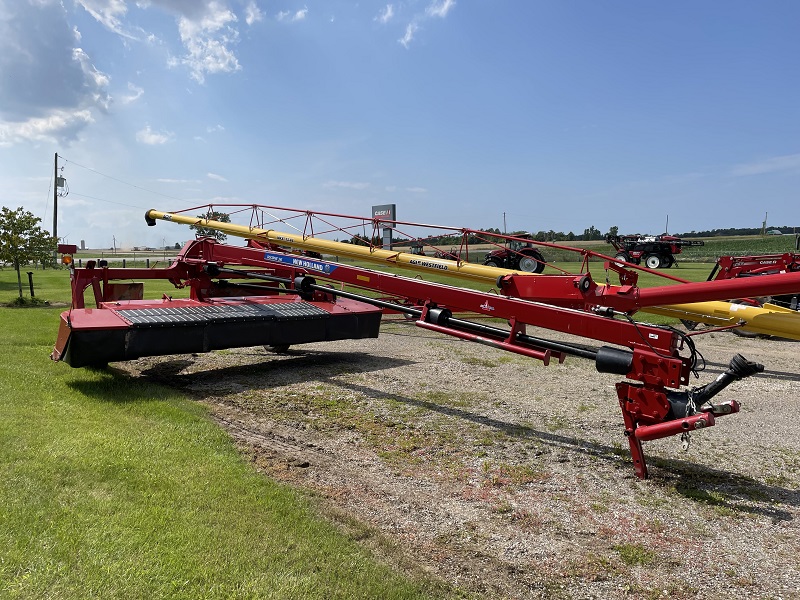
[222,313]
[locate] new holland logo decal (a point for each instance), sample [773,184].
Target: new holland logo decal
[300,262]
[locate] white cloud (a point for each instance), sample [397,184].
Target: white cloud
[215,177]
[436,9]
[417,190]
[73,202]
[166,180]
[194,9]
[213,128]
[252,13]
[107,12]
[206,29]
[56,90]
[386,14]
[353,185]
[440,9]
[153,138]
[789,162]
[135,93]
[411,29]
[286,15]
[99,79]
[58,125]
[207,41]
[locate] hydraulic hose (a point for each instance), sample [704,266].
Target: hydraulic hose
[739,368]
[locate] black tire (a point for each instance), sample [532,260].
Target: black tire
[531,262]
[690,325]
[622,256]
[492,262]
[277,348]
[652,261]
[667,261]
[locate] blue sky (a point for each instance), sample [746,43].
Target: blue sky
[562,115]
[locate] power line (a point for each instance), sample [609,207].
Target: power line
[108,201]
[121,181]
[47,198]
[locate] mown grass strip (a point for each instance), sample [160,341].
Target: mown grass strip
[119,488]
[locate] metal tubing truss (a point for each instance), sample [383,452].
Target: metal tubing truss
[702,302]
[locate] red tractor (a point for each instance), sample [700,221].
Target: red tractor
[517,254]
[730,267]
[657,251]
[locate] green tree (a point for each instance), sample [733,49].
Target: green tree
[592,233]
[23,241]
[613,231]
[212,215]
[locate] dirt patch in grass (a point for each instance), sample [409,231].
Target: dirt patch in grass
[510,479]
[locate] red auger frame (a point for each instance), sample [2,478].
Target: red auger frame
[246,296]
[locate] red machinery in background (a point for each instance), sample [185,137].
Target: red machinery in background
[732,267]
[656,251]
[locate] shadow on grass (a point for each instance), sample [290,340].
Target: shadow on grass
[7,286]
[117,386]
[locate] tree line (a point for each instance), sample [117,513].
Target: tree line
[737,231]
[589,234]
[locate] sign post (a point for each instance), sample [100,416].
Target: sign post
[385,212]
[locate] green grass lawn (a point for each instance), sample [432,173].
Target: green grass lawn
[114,487]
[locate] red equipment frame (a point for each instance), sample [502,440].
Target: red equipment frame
[729,267]
[652,403]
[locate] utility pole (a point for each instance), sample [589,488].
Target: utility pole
[55,202]
[59,190]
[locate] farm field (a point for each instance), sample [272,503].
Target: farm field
[408,466]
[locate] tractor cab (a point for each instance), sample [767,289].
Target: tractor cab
[416,248]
